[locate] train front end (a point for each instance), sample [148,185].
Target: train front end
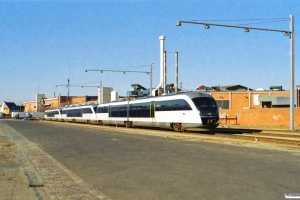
[208,110]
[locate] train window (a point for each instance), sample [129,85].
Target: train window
[112,111]
[50,114]
[64,112]
[87,110]
[172,105]
[69,113]
[74,112]
[118,111]
[164,106]
[123,111]
[78,112]
[147,110]
[204,102]
[102,109]
[131,111]
[169,105]
[176,104]
[185,105]
[157,106]
[139,110]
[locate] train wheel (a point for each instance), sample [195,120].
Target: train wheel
[128,124]
[176,127]
[182,129]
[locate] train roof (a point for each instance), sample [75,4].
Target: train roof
[53,109]
[79,105]
[189,94]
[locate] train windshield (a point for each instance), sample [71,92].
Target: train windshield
[204,103]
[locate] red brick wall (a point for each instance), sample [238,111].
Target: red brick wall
[262,117]
[53,103]
[240,100]
[75,100]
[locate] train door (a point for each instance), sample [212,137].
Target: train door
[152,112]
[184,111]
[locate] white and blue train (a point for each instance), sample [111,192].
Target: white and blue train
[178,111]
[53,115]
[84,113]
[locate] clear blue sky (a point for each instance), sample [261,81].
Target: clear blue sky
[43,43]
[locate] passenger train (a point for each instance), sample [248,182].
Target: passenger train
[179,111]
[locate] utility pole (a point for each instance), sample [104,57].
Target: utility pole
[289,33]
[82,86]
[124,71]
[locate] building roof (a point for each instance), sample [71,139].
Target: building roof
[11,105]
[236,88]
[224,88]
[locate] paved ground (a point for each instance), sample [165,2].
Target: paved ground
[13,182]
[140,166]
[39,175]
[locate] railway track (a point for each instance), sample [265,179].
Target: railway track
[269,136]
[237,134]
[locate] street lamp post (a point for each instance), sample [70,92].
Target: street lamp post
[292,71]
[82,86]
[68,86]
[289,33]
[124,71]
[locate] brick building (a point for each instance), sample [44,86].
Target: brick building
[42,104]
[241,97]
[245,106]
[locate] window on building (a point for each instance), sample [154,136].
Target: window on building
[223,104]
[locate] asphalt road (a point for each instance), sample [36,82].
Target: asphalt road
[137,166]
